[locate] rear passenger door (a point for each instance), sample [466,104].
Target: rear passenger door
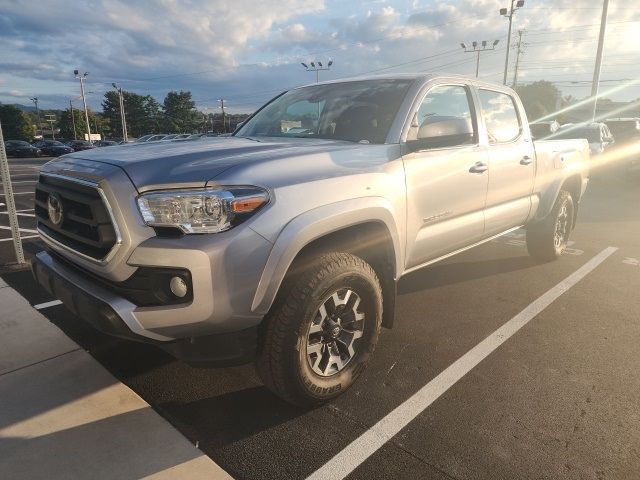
[511,162]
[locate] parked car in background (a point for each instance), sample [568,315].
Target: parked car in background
[285,248]
[627,134]
[144,138]
[106,143]
[154,137]
[20,148]
[540,130]
[170,136]
[53,148]
[597,134]
[157,138]
[80,145]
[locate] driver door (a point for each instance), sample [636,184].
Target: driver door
[446,178]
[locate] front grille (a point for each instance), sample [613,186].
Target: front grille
[86,225]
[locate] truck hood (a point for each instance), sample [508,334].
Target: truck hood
[193,163]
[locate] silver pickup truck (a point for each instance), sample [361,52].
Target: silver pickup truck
[283,243]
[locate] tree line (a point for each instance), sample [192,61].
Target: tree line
[144,115]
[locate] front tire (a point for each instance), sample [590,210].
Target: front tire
[547,239]
[321,331]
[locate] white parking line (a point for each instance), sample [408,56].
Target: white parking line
[19,193]
[369,442]
[52,303]
[21,238]
[24,181]
[28,230]
[20,214]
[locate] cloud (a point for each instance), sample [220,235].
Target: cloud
[248,50]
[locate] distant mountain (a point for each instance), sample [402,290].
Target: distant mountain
[24,108]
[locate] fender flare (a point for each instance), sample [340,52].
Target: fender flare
[314,224]
[553,190]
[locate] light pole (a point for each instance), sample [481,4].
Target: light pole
[477,49]
[508,13]
[123,118]
[224,122]
[316,66]
[35,100]
[73,120]
[595,85]
[84,101]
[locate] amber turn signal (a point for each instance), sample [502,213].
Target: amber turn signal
[247,204]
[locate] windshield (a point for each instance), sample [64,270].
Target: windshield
[54,143]
[359,111]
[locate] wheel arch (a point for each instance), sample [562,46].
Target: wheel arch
[572,184]
[362,227]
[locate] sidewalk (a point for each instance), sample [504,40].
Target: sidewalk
[62,415]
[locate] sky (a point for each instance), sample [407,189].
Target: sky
[247,51]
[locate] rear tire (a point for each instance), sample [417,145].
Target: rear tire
[321,331]
[547,239]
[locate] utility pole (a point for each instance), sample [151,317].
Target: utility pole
[316,66]
[224,122]
[84,101]
[520,47]
[476,49]
[596,72]
[35,100]
[123,119]
[508,13]
[73,121]
[51,118]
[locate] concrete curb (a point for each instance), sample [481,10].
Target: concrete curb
[62,415]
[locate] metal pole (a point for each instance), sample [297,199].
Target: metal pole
[9,200]
[53,134]
[86,112]
[506,60]
[73,121]
[515,74]
[224,123]
[124,131]
[35,100]
[596,73]
[478,64]
[124,118]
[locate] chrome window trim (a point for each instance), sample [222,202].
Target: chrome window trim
[51,241]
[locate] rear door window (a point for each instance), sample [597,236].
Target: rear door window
[500,116]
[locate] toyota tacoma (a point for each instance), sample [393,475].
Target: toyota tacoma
[283,243]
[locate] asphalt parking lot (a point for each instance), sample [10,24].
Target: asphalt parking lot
[559,398]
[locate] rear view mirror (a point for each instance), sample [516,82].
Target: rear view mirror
[440,132]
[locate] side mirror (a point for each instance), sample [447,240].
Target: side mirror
[440,132]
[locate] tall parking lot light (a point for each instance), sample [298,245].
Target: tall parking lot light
[477,48]
[35,100]
[123,118]
[84,101]
[508,13]
[316,66]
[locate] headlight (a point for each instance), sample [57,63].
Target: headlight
[204,210]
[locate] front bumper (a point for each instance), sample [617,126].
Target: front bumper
[114,315]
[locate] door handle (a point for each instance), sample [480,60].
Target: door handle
[526,160]
[479,167]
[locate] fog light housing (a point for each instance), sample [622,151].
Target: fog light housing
[178,287]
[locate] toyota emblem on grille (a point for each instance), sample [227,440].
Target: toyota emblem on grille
[54,207]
